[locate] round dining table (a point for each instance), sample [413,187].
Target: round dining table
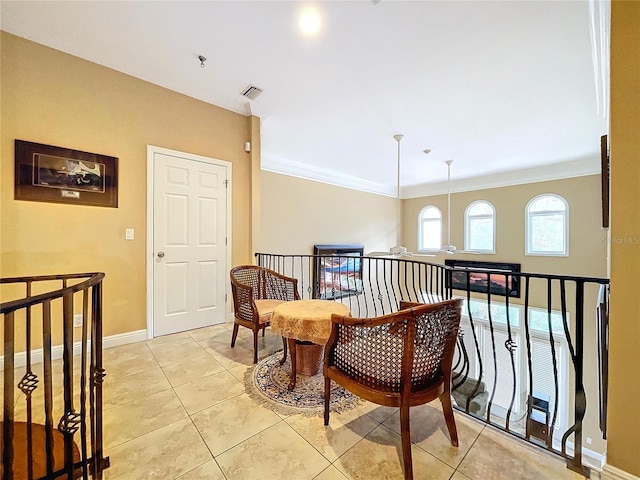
[304,321]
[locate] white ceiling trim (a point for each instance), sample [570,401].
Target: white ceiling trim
[571,169]
[322,175]
[557,171]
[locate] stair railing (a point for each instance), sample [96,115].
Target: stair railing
[52,317]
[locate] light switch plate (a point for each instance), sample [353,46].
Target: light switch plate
[129,234]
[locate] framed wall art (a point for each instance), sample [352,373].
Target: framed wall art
[44,173]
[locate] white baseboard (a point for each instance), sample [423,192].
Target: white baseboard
[613,473]
[124,338]
[37,356]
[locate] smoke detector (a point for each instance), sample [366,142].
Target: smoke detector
[251,92]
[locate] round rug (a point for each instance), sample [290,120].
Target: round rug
[268,382]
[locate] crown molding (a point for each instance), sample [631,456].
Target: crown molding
[322,175]
[544,173]
[557,171]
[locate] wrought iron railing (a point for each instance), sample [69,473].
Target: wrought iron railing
[47,401]
[520,361]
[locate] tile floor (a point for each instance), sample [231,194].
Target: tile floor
[175,407]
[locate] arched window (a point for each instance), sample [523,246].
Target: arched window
[429,229]
[480,227]
[547,225]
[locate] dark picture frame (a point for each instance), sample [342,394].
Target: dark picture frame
[604,178]
[484,277]
[45,173]
[337,271]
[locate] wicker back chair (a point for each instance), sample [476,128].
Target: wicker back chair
[399,360]
[256,291]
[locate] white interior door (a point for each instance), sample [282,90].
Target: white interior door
[189,256]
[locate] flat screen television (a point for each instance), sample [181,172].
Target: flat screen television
[337,271]
[495,277]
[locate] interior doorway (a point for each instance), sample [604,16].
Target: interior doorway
[188,240]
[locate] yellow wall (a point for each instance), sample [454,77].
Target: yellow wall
[624,391]
[53,98]
[587,240]
[298,213]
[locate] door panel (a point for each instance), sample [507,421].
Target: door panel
[189,243]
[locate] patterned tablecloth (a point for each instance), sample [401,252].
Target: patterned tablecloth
[306,320]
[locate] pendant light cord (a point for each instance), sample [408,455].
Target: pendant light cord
[398,194]
[449,202]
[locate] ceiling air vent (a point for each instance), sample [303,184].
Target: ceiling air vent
[251,92]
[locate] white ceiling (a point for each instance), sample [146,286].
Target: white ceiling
[496,86]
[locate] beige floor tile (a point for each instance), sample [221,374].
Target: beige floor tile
[168,353]
[242,353]
[148,434]
[459,476]
[379,455]
[179,338]
[238,356]
[276,453]
[219,331]
[125,422]
[208,391]
[378,412]
[240,372]
[165,453]
[191,369]
[217,335]
[229,423]
[124,389]
[331,473]
[37,395]
[128,359]
[38,413]
[496,456]
[343,432]
[429,431]
[207,471]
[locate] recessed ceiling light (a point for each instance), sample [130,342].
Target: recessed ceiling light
[309,22]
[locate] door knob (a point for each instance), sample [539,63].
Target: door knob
[160,254]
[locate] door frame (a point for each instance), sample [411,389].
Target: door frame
[150,255]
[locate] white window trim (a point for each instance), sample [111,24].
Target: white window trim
[420,229]
[527,239]
[467,230]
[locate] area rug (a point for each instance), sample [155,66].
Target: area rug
[268,382]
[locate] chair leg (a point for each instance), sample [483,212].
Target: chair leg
[255,346]
[405,433]
[263,330]
[447,409]
[327,398]
[234,335]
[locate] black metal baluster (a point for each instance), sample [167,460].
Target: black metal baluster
[9,395]
[511,346]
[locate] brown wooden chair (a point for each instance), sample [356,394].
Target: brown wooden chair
[256,292]
[401,360]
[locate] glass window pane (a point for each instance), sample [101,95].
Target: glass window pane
[547,233]
[547,203]
[480,208]
[431,234]
[481,234]
[431,212]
